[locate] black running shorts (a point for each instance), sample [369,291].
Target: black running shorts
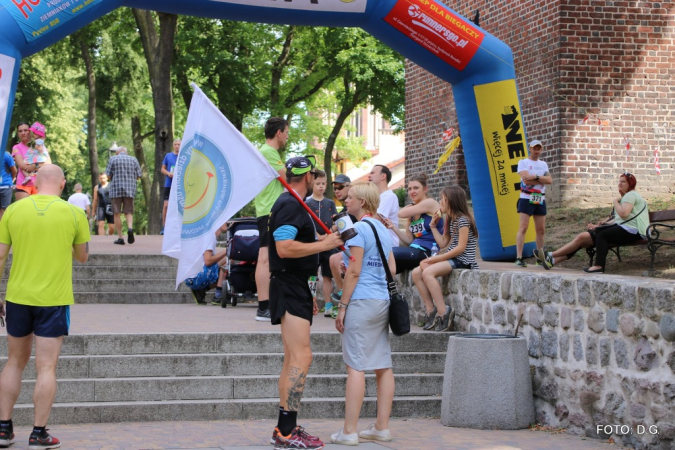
[290,294]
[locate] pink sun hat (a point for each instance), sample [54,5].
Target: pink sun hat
[38,129]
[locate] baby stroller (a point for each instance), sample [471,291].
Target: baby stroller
[243,243]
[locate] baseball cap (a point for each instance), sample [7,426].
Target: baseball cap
[299,165]
[535,143]
[342,179]
[38,129]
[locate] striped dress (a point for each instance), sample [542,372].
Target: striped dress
[467,257]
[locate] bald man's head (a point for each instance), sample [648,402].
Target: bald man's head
[50,180]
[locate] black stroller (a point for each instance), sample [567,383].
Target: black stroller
[243,243]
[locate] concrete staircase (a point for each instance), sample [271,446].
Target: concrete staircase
[146,279]
[205,376]
[220,376]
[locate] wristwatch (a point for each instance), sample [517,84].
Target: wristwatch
[343,305]
[537,178]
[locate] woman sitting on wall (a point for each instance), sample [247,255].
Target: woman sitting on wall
[418,237]
[462,236]
[627,223]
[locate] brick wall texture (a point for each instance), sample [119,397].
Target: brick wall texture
[610,61]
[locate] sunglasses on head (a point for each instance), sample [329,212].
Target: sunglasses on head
[627,174]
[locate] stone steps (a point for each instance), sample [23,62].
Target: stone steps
[217,376]
[217,364]
[134,389]
[134,297]
[229,409]
[124,285]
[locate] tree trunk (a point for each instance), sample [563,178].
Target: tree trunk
[91,116]
[158,49]
[137,138]
[349,104]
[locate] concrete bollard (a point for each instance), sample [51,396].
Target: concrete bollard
[487,383]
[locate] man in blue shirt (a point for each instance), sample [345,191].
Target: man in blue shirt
[6,181]
[167,169]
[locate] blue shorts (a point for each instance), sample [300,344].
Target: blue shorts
[525,207]
[44,321]
[457,264]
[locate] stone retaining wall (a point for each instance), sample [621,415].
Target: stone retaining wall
[601,347]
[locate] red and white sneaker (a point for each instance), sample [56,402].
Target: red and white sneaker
[298,439]
[38,442]
[6,437]
[275,433]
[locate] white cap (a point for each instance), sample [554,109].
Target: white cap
[535,143]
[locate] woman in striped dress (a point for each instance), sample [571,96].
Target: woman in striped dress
[460,236]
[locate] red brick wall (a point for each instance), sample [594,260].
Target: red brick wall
[573,58]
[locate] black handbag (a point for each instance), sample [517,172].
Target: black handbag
[399,314]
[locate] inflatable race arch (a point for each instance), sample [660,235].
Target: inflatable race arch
[478,65]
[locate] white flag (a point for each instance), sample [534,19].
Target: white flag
[217,173]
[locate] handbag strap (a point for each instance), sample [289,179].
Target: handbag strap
[632,218]
[390,280]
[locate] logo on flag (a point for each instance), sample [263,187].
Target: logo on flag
[203,185]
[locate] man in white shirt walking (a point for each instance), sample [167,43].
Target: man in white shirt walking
[534,177]
[80,200]
[381,176]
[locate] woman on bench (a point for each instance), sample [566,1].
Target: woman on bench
[627,223]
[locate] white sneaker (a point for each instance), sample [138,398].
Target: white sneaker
[340,438]
[375,434]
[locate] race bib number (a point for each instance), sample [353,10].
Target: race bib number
[417,227]
[536,198]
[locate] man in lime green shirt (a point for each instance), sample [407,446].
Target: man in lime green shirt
[45,234]
[276,136]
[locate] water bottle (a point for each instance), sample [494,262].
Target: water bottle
[434,249]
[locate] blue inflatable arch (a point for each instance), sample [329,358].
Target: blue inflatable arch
[478,65]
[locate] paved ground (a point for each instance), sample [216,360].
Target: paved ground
[252,435]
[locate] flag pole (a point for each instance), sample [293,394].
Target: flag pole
[311,213]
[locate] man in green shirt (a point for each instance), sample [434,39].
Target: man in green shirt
[45,233]
[276,136]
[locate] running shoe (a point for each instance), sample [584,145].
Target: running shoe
[445,324]
[41,441]
[119,241]
[130,236]
[199,295]
[520,262]
[342,438]
[6,437]
[298,439]
[263,316]
[543,259]
[275,433]
[334,312]
[430,320]
[328,310]
[375,434]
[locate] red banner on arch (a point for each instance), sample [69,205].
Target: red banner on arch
[437,29]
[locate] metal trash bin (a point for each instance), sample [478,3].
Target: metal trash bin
[487,383]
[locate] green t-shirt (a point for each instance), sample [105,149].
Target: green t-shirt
[641,222]
[265,200]
[41,230]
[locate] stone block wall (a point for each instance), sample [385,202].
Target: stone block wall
[601,347]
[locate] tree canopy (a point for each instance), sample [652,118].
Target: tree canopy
[126,79]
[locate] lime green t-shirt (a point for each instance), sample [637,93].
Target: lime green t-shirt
[265,200]
[41,230]
[641,222]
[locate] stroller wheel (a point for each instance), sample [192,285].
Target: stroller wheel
[224,299]
[234,300]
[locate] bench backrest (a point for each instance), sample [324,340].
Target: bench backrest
[662,216]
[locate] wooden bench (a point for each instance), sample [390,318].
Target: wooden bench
[655,236]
